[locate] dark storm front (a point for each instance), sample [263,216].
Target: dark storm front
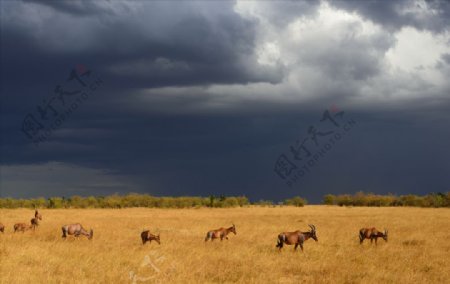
[307,151]
[67,97]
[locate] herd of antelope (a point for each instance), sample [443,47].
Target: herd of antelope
[22,227]
[296,238]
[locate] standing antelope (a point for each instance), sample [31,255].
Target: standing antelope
[296,238]
[22,227]
[146,236]
[220,233]
[35,221]
[2,228]
[372,233]
[76,230]
[37,215]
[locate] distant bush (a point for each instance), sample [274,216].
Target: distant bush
[370,199]
[125,201]
[56,202]
[295,201]
[263,203]
[329,199]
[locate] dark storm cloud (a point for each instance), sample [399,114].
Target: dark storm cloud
[186,107]
[79,7]
[151,44]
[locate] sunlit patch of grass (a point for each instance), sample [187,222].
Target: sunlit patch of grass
[414,242]
[116,254]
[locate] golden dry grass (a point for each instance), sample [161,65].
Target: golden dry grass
[417,252]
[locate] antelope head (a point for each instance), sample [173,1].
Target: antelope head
[91,235]
[313,232]
[385,235]
[157,239]
[233,229]
[37,215]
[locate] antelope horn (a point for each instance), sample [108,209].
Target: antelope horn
[312,227]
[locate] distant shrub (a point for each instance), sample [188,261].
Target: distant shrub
[53,202]
[370,199]
[329,199]
[263,203]
[295,201]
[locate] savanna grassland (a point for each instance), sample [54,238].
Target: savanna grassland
[418,250]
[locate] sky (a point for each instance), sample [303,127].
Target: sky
[268,99]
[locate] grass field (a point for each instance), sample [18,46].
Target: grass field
[418,250]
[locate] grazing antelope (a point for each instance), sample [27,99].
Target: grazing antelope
[372,233]
[220,233]
[296,238]
[2,228]
[76,230]
[22,227]
[146,236]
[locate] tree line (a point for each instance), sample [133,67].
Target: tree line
[145,200]
[369,199]
[125,201]
[137,200]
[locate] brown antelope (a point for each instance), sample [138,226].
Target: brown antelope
[146,236]
[76,230]
[296,238]
[220,233]
[372,234]
[37,215]
[34,223]
[22,227]
[2,228]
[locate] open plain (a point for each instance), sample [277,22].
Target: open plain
[418,249]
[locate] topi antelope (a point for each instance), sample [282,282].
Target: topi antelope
[34,223]
[37,215]
[146,236]
[372,233]
[220,233]
[76,230]
[22,227]
[2,228]
[296,238]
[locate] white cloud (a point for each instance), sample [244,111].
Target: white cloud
[333,52]
[327,55]
[418,52]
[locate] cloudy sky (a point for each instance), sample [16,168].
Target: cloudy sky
[217,97]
